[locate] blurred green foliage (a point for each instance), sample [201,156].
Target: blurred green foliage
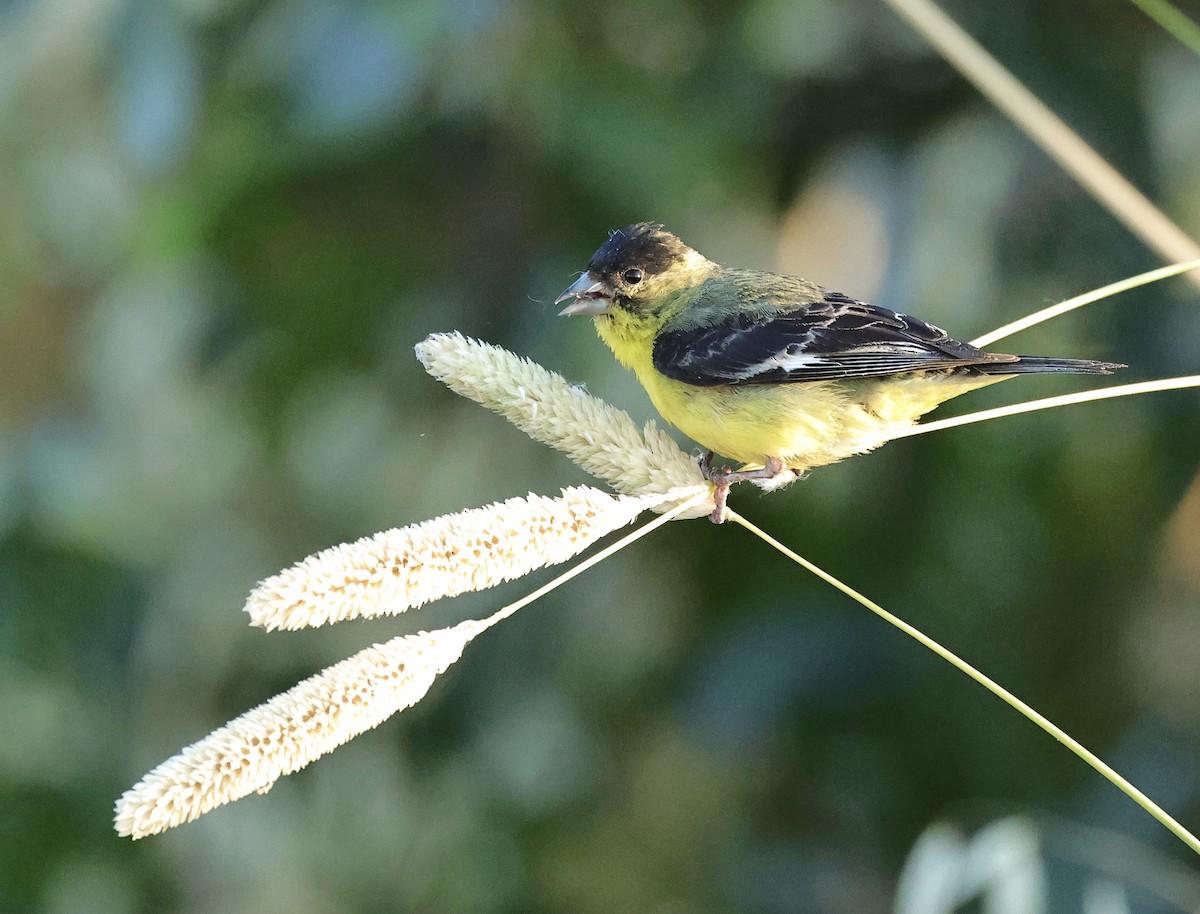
[225,223]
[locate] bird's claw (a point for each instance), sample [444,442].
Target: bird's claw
[721,482]
[720,496]
[723,478]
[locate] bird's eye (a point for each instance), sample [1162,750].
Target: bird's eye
[633,277]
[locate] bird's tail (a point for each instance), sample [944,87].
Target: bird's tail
[1033,364]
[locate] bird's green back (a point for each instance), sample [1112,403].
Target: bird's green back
[742,291]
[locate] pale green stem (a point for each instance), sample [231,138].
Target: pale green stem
[1046,129]
[1083,396]
[1086,298]
[999,691]
[1172,20]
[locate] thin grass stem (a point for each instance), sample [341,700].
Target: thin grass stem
[995,688]
[703,492]
[1173,21]
[1086,298]
[1046,129]
[1032,406]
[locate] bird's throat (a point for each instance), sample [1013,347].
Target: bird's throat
[623,335]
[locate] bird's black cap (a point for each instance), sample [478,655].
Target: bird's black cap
[645,245]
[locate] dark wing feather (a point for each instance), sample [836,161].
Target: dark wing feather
[833,338]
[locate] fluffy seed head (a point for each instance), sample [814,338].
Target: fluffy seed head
[400,569]
[600,438]
[283,735]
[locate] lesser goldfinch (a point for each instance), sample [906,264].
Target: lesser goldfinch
[770,370]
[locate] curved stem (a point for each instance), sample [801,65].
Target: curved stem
[1086,298]
[995,688]
[1032,406]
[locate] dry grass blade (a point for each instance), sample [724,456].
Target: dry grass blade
[1007,93]
[1173,21]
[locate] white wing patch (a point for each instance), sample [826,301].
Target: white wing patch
[786,361]
[793,358]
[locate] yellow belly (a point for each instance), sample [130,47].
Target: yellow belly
[807,424]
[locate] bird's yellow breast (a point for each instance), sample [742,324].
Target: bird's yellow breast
[804,424]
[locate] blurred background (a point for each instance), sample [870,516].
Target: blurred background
[225,223]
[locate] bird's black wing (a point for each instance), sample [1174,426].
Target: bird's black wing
[833,338]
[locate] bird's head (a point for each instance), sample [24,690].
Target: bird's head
[635,274]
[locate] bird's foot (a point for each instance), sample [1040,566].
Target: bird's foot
[720,496]
[725,477]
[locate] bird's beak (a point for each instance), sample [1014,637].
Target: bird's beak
[591,297]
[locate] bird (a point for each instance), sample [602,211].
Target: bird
[772,371]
